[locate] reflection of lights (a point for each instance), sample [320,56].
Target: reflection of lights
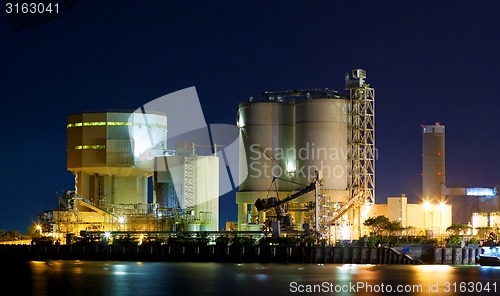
[347,267]
[120,269]
[434,268]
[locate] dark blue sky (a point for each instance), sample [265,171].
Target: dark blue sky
[428,61]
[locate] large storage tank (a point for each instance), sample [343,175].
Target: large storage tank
[268,143]
[321,144]
[111,153]
[267,151]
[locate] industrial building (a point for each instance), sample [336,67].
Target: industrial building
[469,200]
[489,221]
[427,218]
[126,179]
[307,166]
[433,161]
[293,140]
[190,182]
[464,200]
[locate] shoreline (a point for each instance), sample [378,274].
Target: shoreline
[245,254]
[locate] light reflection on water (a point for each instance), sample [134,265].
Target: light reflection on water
[165,278]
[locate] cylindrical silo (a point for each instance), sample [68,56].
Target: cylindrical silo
[111,153]
[267,150]
[321,144]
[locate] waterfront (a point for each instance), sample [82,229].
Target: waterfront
[75,277]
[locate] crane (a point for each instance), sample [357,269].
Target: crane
[283,219]
[269,203]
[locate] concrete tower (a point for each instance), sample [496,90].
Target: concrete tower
[433,161]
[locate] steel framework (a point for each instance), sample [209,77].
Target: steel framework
[361,141]
[190,182]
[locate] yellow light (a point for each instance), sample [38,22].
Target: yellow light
[345,232]
[114,123]
[427,205]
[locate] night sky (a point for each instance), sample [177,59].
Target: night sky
[429,61]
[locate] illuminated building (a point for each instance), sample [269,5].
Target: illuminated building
[464,200]
[469,200]
[108,154]
[113,156]
[188,182]
[432,217]
[289,135]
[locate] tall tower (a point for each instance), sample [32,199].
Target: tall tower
[433,161]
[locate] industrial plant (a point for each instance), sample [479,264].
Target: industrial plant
[114,155]
[307,168]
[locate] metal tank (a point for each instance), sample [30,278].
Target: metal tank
[321,127]
[267,150]
[268,144]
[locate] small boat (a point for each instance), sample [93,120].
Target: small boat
[488,260]
[490,256]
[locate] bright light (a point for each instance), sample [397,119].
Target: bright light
[121,220]
[480,191]
[366,210]
[141,238]
[345,232]
[442,206]
[39,228]
[107,234]
[427,205]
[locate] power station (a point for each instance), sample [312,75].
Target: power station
[307,167]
